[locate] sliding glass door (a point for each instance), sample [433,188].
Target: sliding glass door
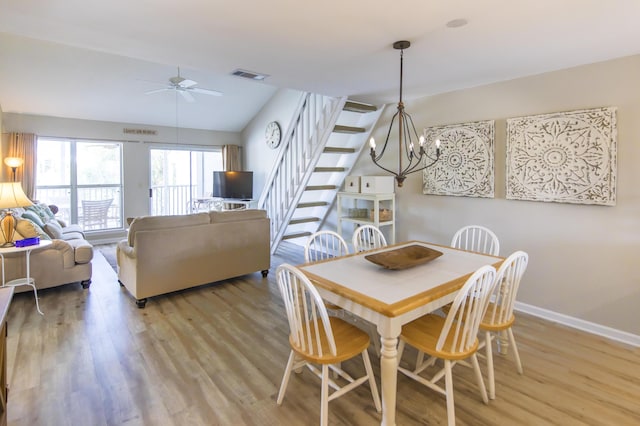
[180,177]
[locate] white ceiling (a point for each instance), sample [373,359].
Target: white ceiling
[96,59]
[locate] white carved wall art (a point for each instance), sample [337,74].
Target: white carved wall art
[566,157]
[466,161]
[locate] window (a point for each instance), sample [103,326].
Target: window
[84,179]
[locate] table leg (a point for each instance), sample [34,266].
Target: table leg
[31,282]
[389,379]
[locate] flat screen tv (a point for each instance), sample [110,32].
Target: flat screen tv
[237,185]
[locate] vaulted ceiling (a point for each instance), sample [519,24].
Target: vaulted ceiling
[96,60]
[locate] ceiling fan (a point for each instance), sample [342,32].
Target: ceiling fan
[185,87]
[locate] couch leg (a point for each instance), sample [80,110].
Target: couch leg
[85,283]
[141,303]
[265,272]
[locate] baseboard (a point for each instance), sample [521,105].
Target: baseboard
[589,327]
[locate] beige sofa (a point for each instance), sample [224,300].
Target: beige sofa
[163,254]
[66,260]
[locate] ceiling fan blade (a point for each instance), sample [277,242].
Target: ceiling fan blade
[205,91]
[156,91]
[187,96]
[187,83]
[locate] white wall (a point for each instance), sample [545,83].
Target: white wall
[258,157]
[135,147]
[583,259]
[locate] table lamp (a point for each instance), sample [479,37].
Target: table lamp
[11,196]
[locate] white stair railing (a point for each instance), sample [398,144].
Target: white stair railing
[310,128]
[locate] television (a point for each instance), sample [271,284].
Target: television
[236,185]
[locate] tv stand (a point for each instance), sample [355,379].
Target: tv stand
[236,203]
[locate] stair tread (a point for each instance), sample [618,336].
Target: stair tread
[338,150]
[319,187]
[296,235]
[329,169]
[311,204]
[339,128]
[304,220]
[354,106]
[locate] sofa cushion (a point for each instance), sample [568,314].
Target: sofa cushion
[68,236]
[237,215]
[54,229]
[151,223]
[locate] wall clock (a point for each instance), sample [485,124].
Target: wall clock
[273,135]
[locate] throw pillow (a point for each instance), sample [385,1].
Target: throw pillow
[33,217]
[54,229]
[47,211]
[28,229]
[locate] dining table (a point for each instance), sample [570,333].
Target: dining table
[394,294]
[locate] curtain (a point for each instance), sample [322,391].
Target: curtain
[23,145]
[231,160]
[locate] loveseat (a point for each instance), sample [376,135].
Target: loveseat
[163,254]
[66,260]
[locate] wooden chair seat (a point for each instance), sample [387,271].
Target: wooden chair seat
[424,332]
[350,341]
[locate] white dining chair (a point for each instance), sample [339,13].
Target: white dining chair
[324,245]
[367,237]
[476,238]
[453,338]
[499,317]
[318,339]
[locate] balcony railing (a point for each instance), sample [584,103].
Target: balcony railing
[111,216]
[165,200]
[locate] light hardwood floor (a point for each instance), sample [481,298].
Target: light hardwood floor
[215,355]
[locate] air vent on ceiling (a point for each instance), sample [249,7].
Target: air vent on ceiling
[249,74]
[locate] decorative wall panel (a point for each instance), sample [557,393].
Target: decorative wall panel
[565,157]
[466,162]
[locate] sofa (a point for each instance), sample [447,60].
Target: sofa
[66,260]
[163,254]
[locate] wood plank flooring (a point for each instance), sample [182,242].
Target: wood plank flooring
[215,355]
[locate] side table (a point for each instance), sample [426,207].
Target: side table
[27,280]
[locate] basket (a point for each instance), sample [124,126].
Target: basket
[385,214]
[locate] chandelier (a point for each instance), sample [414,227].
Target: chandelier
[406,136]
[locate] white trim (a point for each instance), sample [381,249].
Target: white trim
[589,327]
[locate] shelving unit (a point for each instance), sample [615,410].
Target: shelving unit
[367,209]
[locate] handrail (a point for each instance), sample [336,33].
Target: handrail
[302,145]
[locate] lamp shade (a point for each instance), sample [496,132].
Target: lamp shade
[13,162]
[12,196]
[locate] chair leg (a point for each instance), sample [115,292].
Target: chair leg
[448,384]
[419,359]
[324,399]
[476,368]
[285,378]
[372,380]
[490,371]
[512,340]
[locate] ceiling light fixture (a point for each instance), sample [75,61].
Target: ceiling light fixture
[406,136]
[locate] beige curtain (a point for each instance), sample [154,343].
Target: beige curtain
[231,159]
[23,145]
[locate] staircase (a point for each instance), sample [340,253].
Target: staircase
[319,150]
